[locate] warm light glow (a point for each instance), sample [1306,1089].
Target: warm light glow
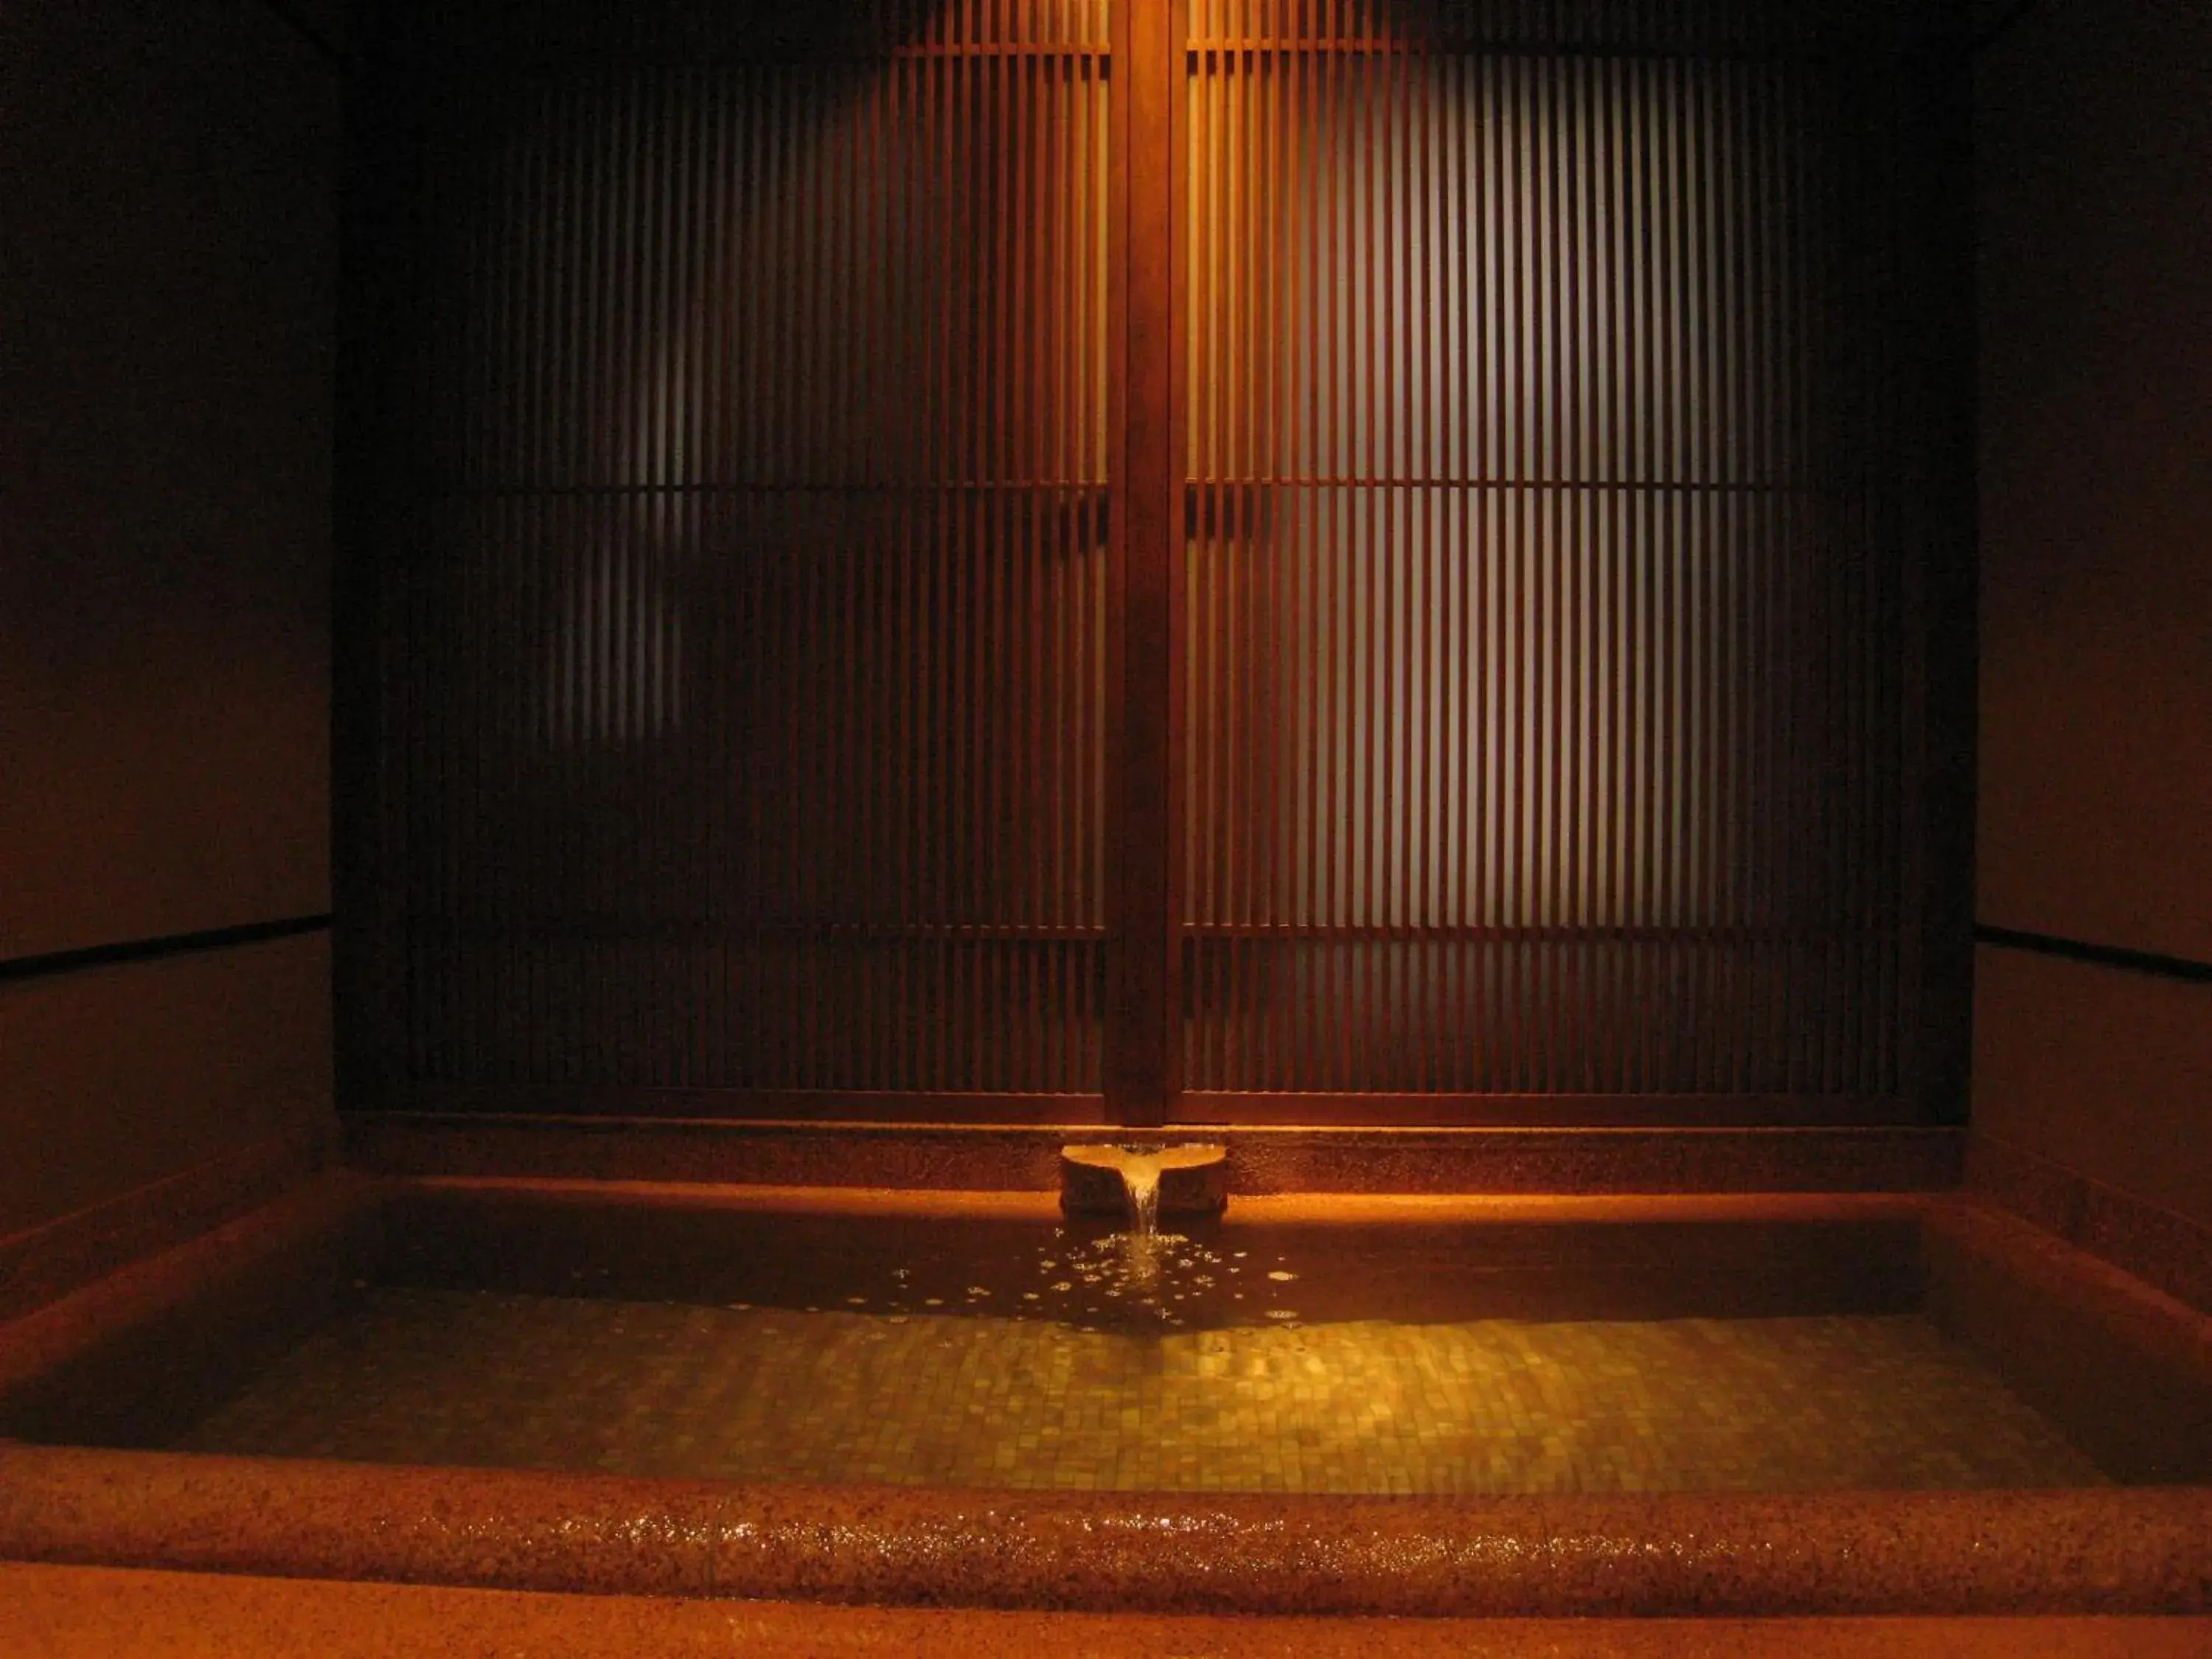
[1545,636]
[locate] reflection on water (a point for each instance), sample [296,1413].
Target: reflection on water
[1133,1277]
[1006,1349]
[1085,1275]
[921,1395]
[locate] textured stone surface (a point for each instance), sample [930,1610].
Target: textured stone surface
[2132,1552]
[132,1358]
[331,1521]
[2157,1245]
[47,1262]
[2125,1369]
[2030,1188]
[92,1612]
[2168,1251]
[986,1158]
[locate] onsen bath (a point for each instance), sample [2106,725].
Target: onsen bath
[1319,1401]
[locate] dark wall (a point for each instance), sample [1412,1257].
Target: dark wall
[166,181]
[2095,282]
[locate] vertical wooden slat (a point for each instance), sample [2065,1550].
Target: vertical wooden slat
[656,439]
[1577,663]
[789,493]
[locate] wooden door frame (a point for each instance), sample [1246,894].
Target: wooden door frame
[1144,1036]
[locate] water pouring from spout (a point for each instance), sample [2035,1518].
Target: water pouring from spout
[1140,1184]
[1185,1180]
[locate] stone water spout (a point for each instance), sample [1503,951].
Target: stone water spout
[1144,1183]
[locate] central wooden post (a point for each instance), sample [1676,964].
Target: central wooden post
[1144,1003]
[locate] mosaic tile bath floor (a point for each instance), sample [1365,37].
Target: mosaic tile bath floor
[940,1397]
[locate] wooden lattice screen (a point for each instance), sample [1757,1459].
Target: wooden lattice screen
[1048,560]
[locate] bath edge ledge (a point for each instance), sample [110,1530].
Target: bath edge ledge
[2146,1551]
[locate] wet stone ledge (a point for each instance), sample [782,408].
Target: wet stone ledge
[2081,1552]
